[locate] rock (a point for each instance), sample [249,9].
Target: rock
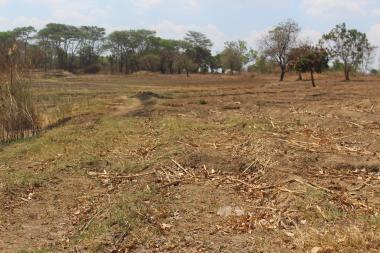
[227,211]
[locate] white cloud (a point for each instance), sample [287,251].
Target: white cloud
[253,39]
[332,8]
[9,24]
[374,38]
[374,34]
[147,4]
[310,35]
[74,11]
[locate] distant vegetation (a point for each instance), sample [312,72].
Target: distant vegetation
[89,49]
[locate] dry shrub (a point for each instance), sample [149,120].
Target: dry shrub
[18,114]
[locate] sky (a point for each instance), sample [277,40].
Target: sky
[221,20]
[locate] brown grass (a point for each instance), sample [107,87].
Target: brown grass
[19,117]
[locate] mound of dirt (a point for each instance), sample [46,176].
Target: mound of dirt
[57,74]
[146,95]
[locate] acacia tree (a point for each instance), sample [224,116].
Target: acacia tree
[91,40]
[309,59]
[24,34]
[278,42]
[348,46]
[199,49]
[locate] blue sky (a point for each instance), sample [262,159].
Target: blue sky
[221,20]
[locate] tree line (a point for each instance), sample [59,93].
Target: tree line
[90,49]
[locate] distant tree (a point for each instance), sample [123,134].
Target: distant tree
[24,34]
[197,39]
[127,46]
[7,43]
[149,62]
[216,63]
[348,46]
[263,65]
[198,48]
[236,55]
[309,59]
[278,43]
[184,62]
[231,60]
[168,50]
[90,45]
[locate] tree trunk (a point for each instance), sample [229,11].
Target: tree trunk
[126,65]
[282,74]
[346,72]
[299,76]
[121,64]
[312,78]
[25,53]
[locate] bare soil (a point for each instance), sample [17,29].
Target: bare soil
[144,164]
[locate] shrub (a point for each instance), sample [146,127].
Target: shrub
[203,102]
[92,69]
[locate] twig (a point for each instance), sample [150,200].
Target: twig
[105,175]
[253,187]
[174,183]
[360,187]
[182,168]
[249,167]
[85,227]
[321,212]
[312,185]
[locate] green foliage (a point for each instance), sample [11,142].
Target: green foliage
[309,59]
[235,55]
[263,65]
[348,46]
[198,48]
[203,102]
[150,62]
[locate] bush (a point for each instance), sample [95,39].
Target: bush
[92,69]
[203,102]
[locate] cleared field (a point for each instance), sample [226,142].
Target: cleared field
[158,163]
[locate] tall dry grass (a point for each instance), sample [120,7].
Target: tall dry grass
[18,114]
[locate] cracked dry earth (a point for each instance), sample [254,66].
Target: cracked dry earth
[207,165]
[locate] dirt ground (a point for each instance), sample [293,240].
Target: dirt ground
[203,164]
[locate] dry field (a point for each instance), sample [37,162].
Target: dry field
[152,163]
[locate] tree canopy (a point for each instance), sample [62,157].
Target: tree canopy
[348,46]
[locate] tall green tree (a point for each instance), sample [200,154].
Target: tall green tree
[348,46]
[236,55]
[199,49]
